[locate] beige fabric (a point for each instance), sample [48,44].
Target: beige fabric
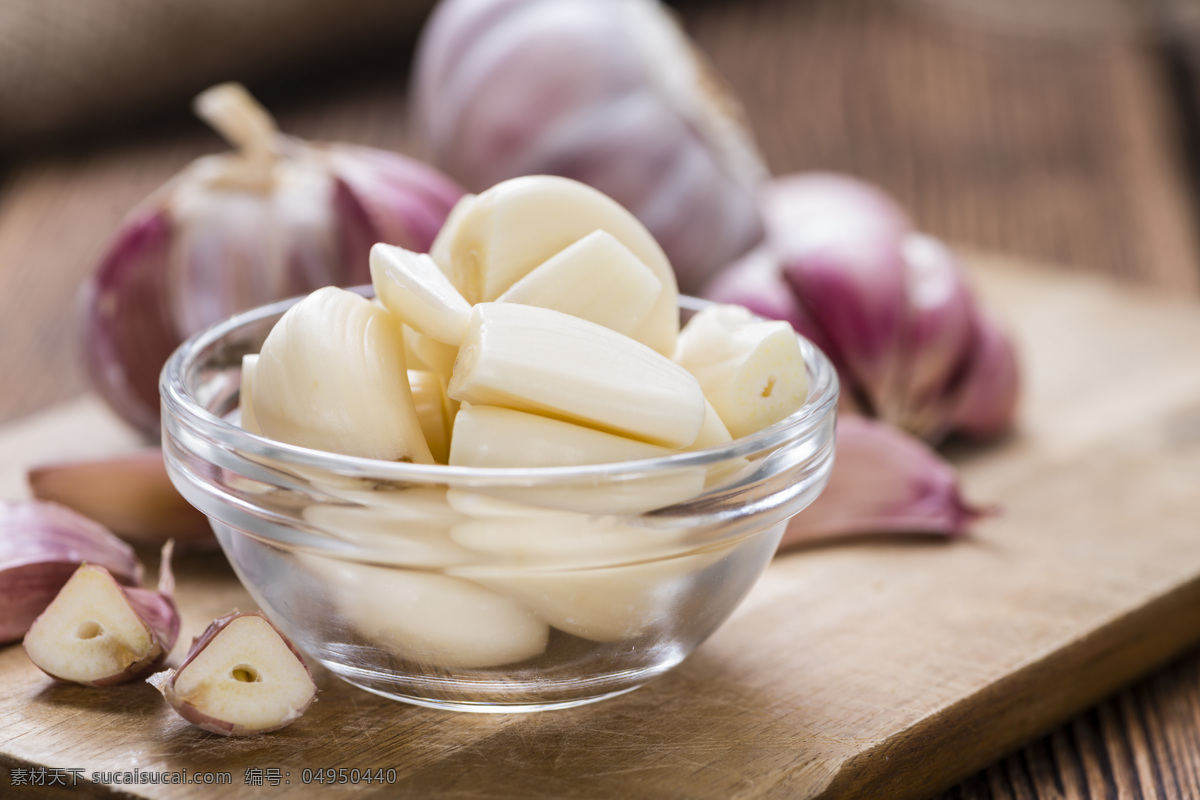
[66,62]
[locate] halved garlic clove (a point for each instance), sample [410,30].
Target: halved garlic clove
[241,677]
[411,286]
[98,633]
[130,494]
[508,230]
[540,360]
[597,278]
[331,375]
[751,369]
[883,481]
[41,545]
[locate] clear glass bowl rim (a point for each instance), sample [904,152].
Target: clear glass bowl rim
[179,404]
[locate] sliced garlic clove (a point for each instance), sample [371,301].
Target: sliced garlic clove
[411,286]
[543,361]
[241,677]
[597,278]
[99,633]
[751,370]
[518,224]
[331,376]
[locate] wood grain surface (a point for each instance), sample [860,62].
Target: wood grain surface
[887,668]
[1056,142]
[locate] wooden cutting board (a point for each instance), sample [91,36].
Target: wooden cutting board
[887,667]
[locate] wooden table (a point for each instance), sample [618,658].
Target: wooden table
[1056,143]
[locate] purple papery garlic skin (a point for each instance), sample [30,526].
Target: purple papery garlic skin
[608,92]
[890,307]
[275,218]
[41,546]
[884,481]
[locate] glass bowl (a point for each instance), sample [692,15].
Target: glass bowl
[486,589]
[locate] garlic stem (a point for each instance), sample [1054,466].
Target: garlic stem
[234,113]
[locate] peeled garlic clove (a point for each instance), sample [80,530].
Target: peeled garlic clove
[411,286]
[41,546]
[275,218]
[597,278]
[130,494]
[487,436]
[435,411]
[883,481]
[241,677]
[751,370]
[98,633]
[432,619]
[608,92]
[507,231]
[246,416]
[543,361]
[331,376]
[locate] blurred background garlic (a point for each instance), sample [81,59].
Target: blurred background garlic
[277,217]
[608,92]
[890,306]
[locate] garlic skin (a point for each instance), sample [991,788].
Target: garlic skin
[275,218]
[883,482]
[890,306]
[41,546]
[608,92]
[130,494]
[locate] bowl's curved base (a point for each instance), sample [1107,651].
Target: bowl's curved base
[496,697]
[492,707]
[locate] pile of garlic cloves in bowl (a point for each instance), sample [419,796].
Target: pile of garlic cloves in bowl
[495,486]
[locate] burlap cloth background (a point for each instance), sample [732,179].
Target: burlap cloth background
[65,63]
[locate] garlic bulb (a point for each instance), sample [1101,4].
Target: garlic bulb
[608,92]
[883,481]
[889,305]
[41,546]
[276,218]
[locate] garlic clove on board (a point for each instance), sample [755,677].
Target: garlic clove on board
[883,481]
[41,546]
[241,677]
[99,633]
